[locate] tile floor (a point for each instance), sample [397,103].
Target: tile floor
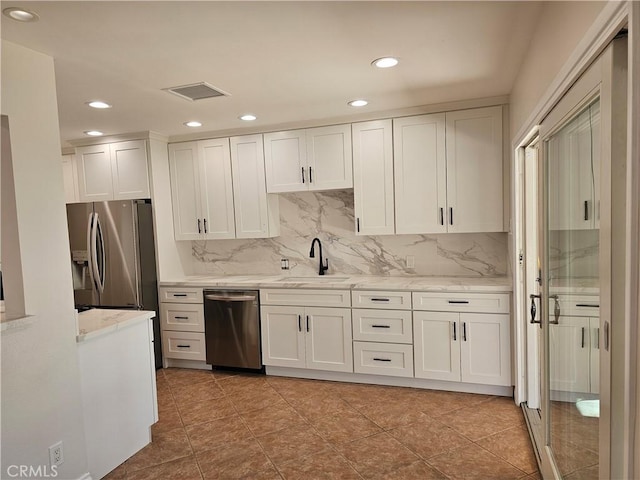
[220,425]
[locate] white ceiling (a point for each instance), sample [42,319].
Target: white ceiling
[283,61]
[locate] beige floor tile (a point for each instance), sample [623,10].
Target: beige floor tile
[316,407]
[241,383]
[391,414]
[168,419]
[474,423]
[165,398]
[206,436]
[473,462]
[241,459]
[436,402]
[514,446]
[198,392]
[165,447]
[273,418]
[377,455]
[344,427]
[571,457]
[286,445]
[326,465]
[416,471]
[504,408]
[193,413]
[428,437]
[183,469]
[185,376]
[256,397]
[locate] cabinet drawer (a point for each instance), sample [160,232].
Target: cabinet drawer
[373,299]
[382,325]
[383,359]
[183,345]
[305,298]
[181,294]
[462,302]
[184,317]
[577,305]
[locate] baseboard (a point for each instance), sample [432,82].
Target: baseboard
[503,391]
[174,363]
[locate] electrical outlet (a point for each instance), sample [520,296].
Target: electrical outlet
[411,261]
[56,454]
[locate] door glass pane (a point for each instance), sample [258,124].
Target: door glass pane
[572,276]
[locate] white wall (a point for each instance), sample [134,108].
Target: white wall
[40,375]
[560,27]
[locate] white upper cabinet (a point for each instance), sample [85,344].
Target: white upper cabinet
[257,214]
[313,159]
[373,177]
[116,171]
[70,179]
[420,174]
[218,190]
[474,170]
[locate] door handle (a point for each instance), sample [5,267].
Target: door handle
[534,309]
[556,310]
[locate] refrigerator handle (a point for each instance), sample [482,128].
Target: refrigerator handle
[90,250]
[101,272]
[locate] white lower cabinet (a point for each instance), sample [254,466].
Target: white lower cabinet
[307,337]
[383,359]
[182,323]
[462,347]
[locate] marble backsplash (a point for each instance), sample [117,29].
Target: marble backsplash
[330,217]
[574,254]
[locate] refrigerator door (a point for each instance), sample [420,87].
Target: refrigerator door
[78,218]
[116,242]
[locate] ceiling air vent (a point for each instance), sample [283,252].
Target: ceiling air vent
[196,91]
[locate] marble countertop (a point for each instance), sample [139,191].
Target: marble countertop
[362,282]
[98,322]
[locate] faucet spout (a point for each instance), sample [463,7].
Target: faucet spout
[322,267]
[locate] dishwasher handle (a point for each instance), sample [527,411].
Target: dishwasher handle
[231,298]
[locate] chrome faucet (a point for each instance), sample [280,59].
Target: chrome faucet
[322,268]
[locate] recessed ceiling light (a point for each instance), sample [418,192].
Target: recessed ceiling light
[93,133]
[98,104]
[358,103]
[20,14]
[193,124]
[385,62]
[248,117]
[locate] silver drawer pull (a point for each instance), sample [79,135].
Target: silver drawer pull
[380,326]
[231,298]
[183,346]
[590,305]
[382,359]
[463,302]
[379,299]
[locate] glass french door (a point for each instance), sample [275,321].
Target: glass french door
[569,255]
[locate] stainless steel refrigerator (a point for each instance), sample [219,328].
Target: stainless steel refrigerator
[113,258]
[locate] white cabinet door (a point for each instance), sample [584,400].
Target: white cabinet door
[373,177]
[485,348]
[130,174]
[185,190]
[283,340]
[474,170]
[329,157]
[285,160]
[216,189]
[419,160]
[328,339]
[569,354]
[95,182]
[70,179]
[257,214]
[436,345]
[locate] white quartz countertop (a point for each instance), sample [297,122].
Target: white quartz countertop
[98,322]
[362,282]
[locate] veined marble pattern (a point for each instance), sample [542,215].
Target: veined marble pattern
[330,217]
[574,254]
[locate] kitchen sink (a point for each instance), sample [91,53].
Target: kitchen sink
[324,278]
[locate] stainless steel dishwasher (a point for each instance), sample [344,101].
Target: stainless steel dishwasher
[232,328]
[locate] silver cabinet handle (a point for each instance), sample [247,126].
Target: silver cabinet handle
[231,298]
[534,309]
[597,342]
